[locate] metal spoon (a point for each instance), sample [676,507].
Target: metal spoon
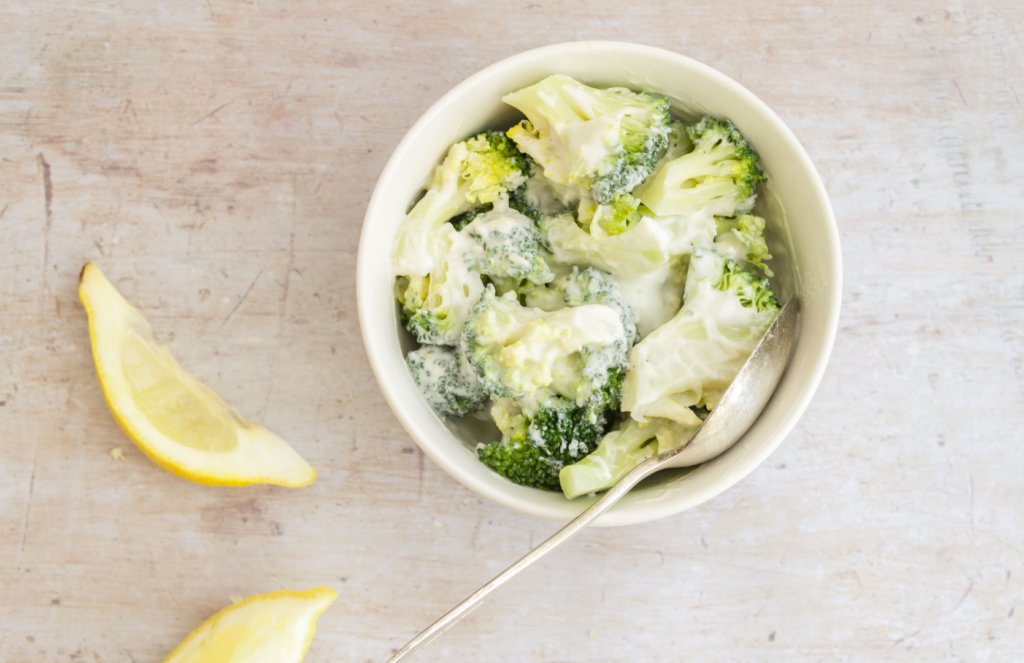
[735,413]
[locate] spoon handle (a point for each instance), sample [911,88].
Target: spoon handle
[609,499]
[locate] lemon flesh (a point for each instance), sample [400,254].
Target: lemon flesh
[180,423]
[271,628]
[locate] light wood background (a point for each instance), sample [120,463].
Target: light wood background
[215,158]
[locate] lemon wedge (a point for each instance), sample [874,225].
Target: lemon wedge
[271,628]
[180,423]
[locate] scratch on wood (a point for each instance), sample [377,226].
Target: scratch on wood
[28,507]
[47,187]
[242,300]
[44,168]
[907,637]
[963,598]
[962,97]
[129,106]
[421,469]
[288,276]
[213,112]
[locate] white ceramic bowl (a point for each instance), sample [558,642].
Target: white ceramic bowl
[802,236]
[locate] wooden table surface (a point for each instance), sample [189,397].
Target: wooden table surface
[215,158]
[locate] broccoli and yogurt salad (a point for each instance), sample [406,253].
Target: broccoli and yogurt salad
[592,280]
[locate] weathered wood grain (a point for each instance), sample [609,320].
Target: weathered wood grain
[215,159]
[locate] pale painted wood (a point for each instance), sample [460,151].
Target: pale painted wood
[215,158]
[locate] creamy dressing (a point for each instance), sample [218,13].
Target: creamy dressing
[459,286]
[685,232]
[421,241]
[694,357]
[535,348]
[547,197]
[639,250]
[654,297]
[588,145]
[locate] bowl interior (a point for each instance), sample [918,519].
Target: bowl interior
[801,236]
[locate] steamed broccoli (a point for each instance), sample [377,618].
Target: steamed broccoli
[722,273]
[539,441]
[538,196]
[679,143]
[619,451]
[610,219]
[718,177]
[691,360]
[742,239]
[545,254]
[585,286]
[507,245]
[519,351]
[446,380]
[436,295]
[639,250]
[604,142]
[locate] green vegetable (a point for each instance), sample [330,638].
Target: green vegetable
[435,294]
[745,236]
[691,360]
[535,447]
[619,451]
[446,380]
[509,245]
[604,142]
[718,177]
[519,352]
[611,219]
[639,250]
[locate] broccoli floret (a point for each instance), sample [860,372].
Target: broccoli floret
[609,219]
[446,380]
[435,310]
[691,360]
[742,239]
[589,286]
[508,245]
[640,250]
[619,451]
[462,220]
[724,274]
[604,142]
[536,446]
[435,291]
[519,351]
[752,292]
[599,372]
[532,199]
[517,200]
[594,377]
[719,176]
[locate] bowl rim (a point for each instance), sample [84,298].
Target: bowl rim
[377,355]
